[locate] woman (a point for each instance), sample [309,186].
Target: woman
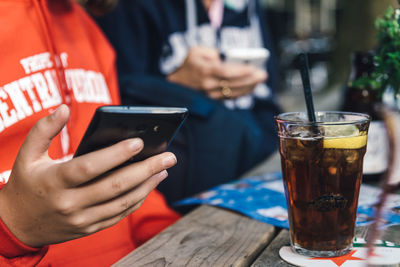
[56,69]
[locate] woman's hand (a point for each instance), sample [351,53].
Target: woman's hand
[203,70]
[46,202]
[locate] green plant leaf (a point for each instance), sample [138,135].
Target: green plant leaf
[387,58]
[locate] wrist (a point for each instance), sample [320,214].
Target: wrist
[9,219]
[10,245]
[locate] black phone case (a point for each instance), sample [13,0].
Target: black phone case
[156,126]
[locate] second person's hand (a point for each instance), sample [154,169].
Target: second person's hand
[236,80]
[204,71]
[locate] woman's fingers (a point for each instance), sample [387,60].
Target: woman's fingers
[84,168]
[100,225]
[120,181]
[119,207]
[256,77]
[239,85]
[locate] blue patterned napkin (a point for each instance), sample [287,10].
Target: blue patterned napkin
[262,198]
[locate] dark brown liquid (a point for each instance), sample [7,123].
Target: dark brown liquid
[321,187]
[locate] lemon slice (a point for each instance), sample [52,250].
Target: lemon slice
[337,130]
[352,142]
[343,137]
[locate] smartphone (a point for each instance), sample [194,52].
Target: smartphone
[156,126]
[257,57]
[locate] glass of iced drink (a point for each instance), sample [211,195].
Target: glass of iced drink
[322,169]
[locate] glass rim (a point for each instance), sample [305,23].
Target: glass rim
[363,118]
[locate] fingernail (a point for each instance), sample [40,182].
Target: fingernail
[56,113]
[169,161]
[161,175]
[135,144]
[264,75]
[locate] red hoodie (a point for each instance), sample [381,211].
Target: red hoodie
[51,53]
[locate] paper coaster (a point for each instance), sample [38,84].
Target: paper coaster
[385,253]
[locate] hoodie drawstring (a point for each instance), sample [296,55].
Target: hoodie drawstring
[59,67]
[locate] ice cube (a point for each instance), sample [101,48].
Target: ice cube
[351,155]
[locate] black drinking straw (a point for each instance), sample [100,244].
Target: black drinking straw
[305,77]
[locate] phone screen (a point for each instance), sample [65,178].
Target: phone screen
[253,56]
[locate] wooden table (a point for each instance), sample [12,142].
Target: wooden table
[212,236]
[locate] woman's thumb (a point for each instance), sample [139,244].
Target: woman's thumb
[42,133]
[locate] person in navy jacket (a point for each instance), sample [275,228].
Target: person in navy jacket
[171,53]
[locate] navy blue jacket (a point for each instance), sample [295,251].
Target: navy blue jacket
[216,144]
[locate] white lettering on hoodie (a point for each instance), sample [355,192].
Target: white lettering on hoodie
[39,89]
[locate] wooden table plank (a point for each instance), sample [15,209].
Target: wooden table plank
[392,234]
[208,236]
[270,256]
